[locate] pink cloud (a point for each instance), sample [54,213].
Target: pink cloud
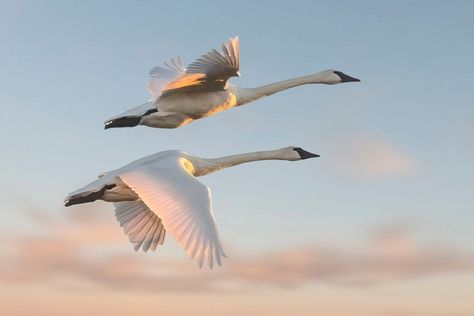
[370,157]
[63,252]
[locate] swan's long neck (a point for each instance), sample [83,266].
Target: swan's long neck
[206,166]
[246,95]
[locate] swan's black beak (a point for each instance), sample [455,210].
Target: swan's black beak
[127,121]
[346,78]
[305,154]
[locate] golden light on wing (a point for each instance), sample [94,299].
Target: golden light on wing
[185,80]
[209,72]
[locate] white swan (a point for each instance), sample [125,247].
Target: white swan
[160,193]
[181,95]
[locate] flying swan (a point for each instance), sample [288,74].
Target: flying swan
[181,95]
[160,193]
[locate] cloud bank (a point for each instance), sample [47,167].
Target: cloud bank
[83,250]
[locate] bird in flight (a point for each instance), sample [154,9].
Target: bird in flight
[160,193]
[180,95]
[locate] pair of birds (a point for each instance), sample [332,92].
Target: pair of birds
[160,193]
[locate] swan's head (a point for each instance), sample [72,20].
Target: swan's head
[296,153]
[334,77]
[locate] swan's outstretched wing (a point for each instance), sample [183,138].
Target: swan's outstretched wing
[183,204]
[209,72]
[143,227]
[160,77]
[218,66]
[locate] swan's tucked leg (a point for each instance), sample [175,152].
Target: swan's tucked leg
[165,119]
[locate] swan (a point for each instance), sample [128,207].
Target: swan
[160,193]
[180,95]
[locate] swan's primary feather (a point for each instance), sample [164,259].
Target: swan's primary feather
[181,202]
[216,65]
[209,72]
[143,226]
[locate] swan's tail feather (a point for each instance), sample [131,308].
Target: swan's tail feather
[131,117]
[86,196]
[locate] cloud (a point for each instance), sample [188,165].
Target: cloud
[63,254]
[390,255]
[364,156]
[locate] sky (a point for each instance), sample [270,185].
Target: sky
[380,224]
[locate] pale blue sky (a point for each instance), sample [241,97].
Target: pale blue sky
[67,66]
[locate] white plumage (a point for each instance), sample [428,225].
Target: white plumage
[180,95]
[160,193]
[150,233]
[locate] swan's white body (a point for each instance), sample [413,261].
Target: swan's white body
[160,193]
[181,95]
